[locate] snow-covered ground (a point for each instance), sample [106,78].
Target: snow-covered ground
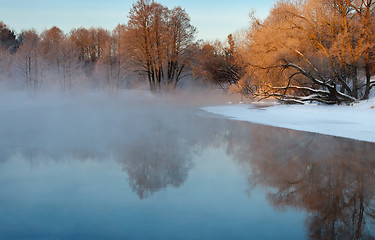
[355,122]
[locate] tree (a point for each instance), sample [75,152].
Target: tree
[366,14]
[310,51]
[51,43]
[90,44]
[50,50]
[120,56]
[70,63]
[113,58]
[8,44]
[29,59]
[180,37]
[158,41]
[220,63]
[8,39]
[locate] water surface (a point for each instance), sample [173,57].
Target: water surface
[146,170]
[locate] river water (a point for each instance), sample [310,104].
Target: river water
[99,170]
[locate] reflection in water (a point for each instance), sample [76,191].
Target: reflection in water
[153,143]
[155,163]
[161,154]
[331,178]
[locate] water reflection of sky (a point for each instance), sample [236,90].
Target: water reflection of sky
[178,174]
[92,200]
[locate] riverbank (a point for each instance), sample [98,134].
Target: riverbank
[354,122]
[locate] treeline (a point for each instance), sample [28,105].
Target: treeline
[311,50]
[87,57]
[156,44]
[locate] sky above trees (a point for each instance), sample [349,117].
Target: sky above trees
[213,19]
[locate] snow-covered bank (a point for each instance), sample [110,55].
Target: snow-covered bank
[355,122]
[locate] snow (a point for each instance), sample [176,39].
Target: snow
[354,122]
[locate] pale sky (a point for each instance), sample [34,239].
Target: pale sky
[213,19]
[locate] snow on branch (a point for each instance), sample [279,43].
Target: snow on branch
[303,88]
[337,95]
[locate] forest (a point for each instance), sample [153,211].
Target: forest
[303,51]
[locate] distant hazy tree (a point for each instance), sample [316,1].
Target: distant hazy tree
[112,58]
[90,44]
[8,39]
[51,43]
[158,41]
[85,45]
[70,63]
[120,56]
[5,64]
[5,44]
[50,50]
[29,59]
[80,37]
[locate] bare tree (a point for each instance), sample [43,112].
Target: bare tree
[158,41]
[29,59]
[50,48]
[120,56]
[365,11]
[70,63]
[219,63]
[180,36]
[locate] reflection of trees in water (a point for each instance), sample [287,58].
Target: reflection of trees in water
[333,179]
[330,178]
[161,155]
[154,145]
[158,162]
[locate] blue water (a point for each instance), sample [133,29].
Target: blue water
[175,173]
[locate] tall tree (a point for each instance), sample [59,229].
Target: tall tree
[180,36]
[158,42]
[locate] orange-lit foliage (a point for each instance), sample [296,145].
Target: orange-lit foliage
[313,50]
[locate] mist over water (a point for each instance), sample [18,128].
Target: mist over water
[141,166]
[96,126]
[91,120]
